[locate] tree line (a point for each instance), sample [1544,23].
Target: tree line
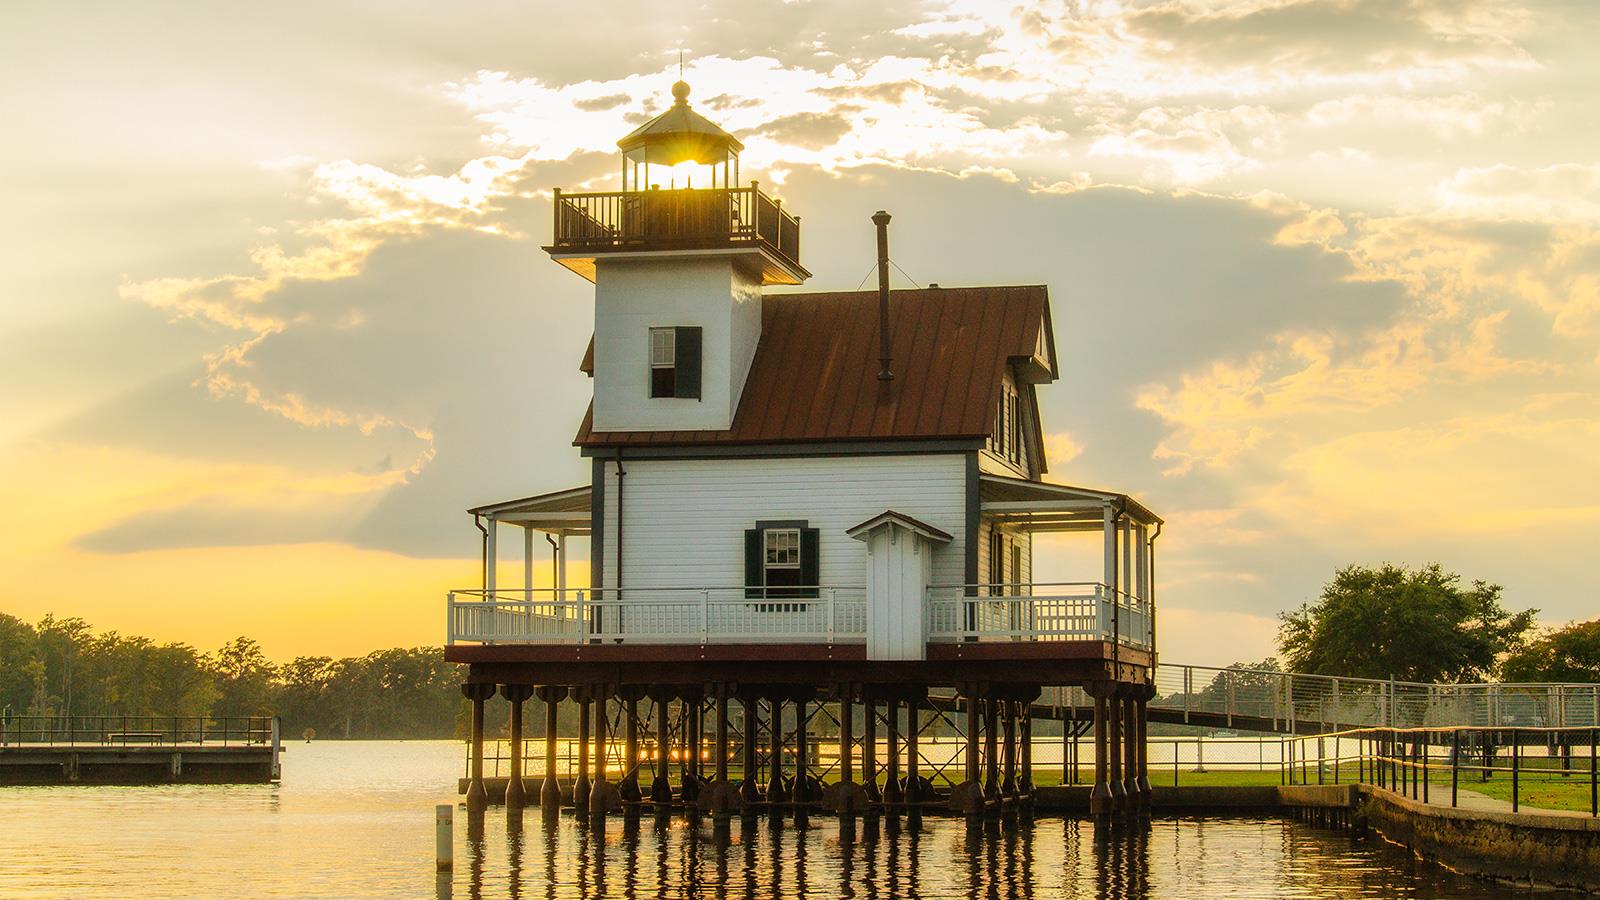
[1381,622]
[61,666]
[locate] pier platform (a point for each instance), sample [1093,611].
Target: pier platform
[118,750]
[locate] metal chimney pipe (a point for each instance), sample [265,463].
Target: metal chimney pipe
[881,219]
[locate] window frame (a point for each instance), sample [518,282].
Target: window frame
[669,369]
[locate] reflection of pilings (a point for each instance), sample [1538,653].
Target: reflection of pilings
[477,796]
[516,694]
[550,788]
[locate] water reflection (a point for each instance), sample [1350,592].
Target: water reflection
[356,820]
[1004,858]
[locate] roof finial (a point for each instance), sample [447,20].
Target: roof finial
[680,89]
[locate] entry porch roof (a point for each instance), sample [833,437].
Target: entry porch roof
[1041,506]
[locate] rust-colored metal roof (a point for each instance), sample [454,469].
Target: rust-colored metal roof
[815,373]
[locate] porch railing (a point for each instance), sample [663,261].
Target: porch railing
[674,219]
[1062,611]
[819,614]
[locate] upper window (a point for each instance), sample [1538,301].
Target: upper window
[675,362]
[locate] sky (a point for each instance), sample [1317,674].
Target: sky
[1325,277]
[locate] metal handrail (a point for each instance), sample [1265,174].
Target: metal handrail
[136,730]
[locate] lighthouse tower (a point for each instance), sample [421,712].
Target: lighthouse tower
[678,258]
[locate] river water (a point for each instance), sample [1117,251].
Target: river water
[356,819]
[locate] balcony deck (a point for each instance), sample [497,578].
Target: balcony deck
[611,222]
[978,625]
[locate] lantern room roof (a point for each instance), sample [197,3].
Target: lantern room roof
[682,134]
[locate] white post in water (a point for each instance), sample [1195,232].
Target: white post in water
[443,842]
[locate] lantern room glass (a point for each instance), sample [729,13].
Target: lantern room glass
[649,167]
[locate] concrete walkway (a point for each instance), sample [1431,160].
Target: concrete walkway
[1469,799]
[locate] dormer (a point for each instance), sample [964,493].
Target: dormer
[678,259]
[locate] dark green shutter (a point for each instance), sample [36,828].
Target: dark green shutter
[686,354]
[754,570]
[810,562]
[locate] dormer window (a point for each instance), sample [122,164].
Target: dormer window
[675,362]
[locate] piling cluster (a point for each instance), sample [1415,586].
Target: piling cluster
[671,762]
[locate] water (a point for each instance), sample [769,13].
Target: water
[356,819]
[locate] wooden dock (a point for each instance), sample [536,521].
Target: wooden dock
[136,750]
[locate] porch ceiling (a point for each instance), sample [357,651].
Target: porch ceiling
[1040,506]
[559,512]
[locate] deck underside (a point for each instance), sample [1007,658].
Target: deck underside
[1041,663]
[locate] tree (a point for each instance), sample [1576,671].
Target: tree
[244,677]
[1410,624]
[1566,654]
[22,671]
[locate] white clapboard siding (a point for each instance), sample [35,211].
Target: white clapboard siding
[685,519]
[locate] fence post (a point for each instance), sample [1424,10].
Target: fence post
[833,599]
[277,747]
[1594,781]
[1427,747]
[705,615]
[1516,765]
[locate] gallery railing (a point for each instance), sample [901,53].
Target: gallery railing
[685,218]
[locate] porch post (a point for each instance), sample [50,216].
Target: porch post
[527,562]
[491,553]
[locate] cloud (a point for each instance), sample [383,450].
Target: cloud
[1309,41]
[1565,192]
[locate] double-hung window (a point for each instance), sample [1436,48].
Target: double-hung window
[781,562]
[675,362]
